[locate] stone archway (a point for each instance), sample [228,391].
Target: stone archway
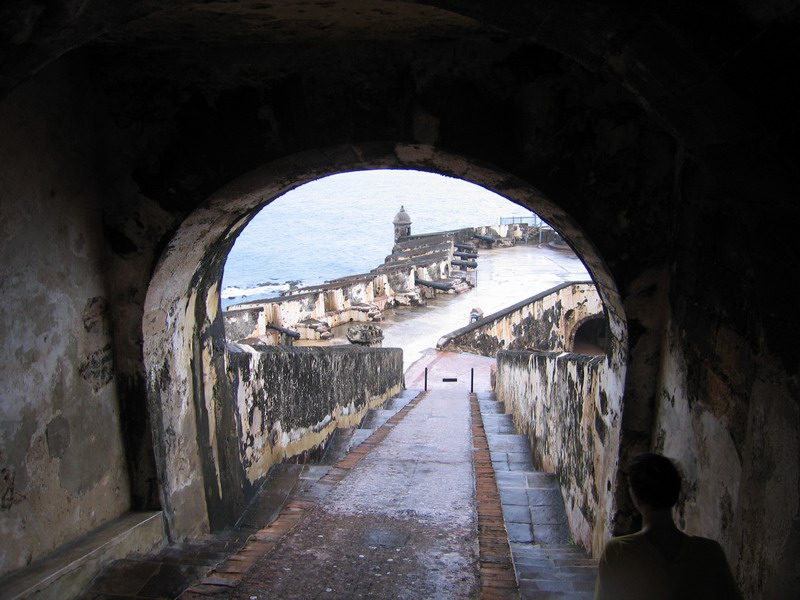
[202,485]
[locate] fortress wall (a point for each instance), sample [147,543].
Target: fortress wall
[332,302]
[434,271]
[243,323]
[543,322]
[567,406]
[289,401]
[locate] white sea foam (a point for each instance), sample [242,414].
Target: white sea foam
[266,290]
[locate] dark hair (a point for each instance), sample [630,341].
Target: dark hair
[655,480]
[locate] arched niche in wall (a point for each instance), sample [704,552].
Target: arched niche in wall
[184,342]
[590,336]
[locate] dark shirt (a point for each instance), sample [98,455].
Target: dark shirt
[632,567]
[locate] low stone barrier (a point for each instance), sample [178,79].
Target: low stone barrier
[559,401]
[338,302]
[546,321]
[290,400]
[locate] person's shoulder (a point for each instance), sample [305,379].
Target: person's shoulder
[626,540]
[708,557]
[623,544]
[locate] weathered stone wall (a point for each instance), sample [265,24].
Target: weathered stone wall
[420,247]
[63,468]
[465,235]
[569,407]
[244,322]
[398,279]
[433,271]
[700,433]
[289,401]
[336,302]
[546,322]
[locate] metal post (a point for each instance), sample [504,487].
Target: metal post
[426,379]
[472,381]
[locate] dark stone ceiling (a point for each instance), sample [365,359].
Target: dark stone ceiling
[715,75]
[258,22]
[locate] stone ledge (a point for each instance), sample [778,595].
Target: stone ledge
[67,571]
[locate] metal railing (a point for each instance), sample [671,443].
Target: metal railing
[532,219]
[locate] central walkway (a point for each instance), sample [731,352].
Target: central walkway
[399,525]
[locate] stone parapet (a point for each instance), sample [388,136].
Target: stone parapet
[561,402]
[546,322]
[290,400]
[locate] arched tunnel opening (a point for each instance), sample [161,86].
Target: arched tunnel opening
[230,391]
[590,336]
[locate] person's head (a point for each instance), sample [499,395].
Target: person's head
[654,481]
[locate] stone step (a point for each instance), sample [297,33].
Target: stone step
[375,418]
[168,573]
[492,407]
[497,418]
[536,555]
[65,572]
[546,565]
[502,424]
[344,440]
[543,590]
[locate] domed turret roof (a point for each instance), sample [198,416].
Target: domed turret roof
[402,217]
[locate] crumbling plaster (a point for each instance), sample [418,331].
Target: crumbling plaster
[736,456]
[336,303]
[570,408]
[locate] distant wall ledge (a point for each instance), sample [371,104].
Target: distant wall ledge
[544,322]
[256,346]
[524,356]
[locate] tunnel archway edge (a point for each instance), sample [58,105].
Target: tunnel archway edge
[184,346]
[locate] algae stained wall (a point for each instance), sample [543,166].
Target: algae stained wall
[568,406]
[290,400]
[546,321]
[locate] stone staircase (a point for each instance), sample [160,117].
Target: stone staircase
[166,574]
[546,563]
[345,440]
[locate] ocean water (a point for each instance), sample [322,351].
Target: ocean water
[342,225]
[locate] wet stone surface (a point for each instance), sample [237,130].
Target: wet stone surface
[363,556]
[400,524]
[389,515]
[388,538]
[547,564]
